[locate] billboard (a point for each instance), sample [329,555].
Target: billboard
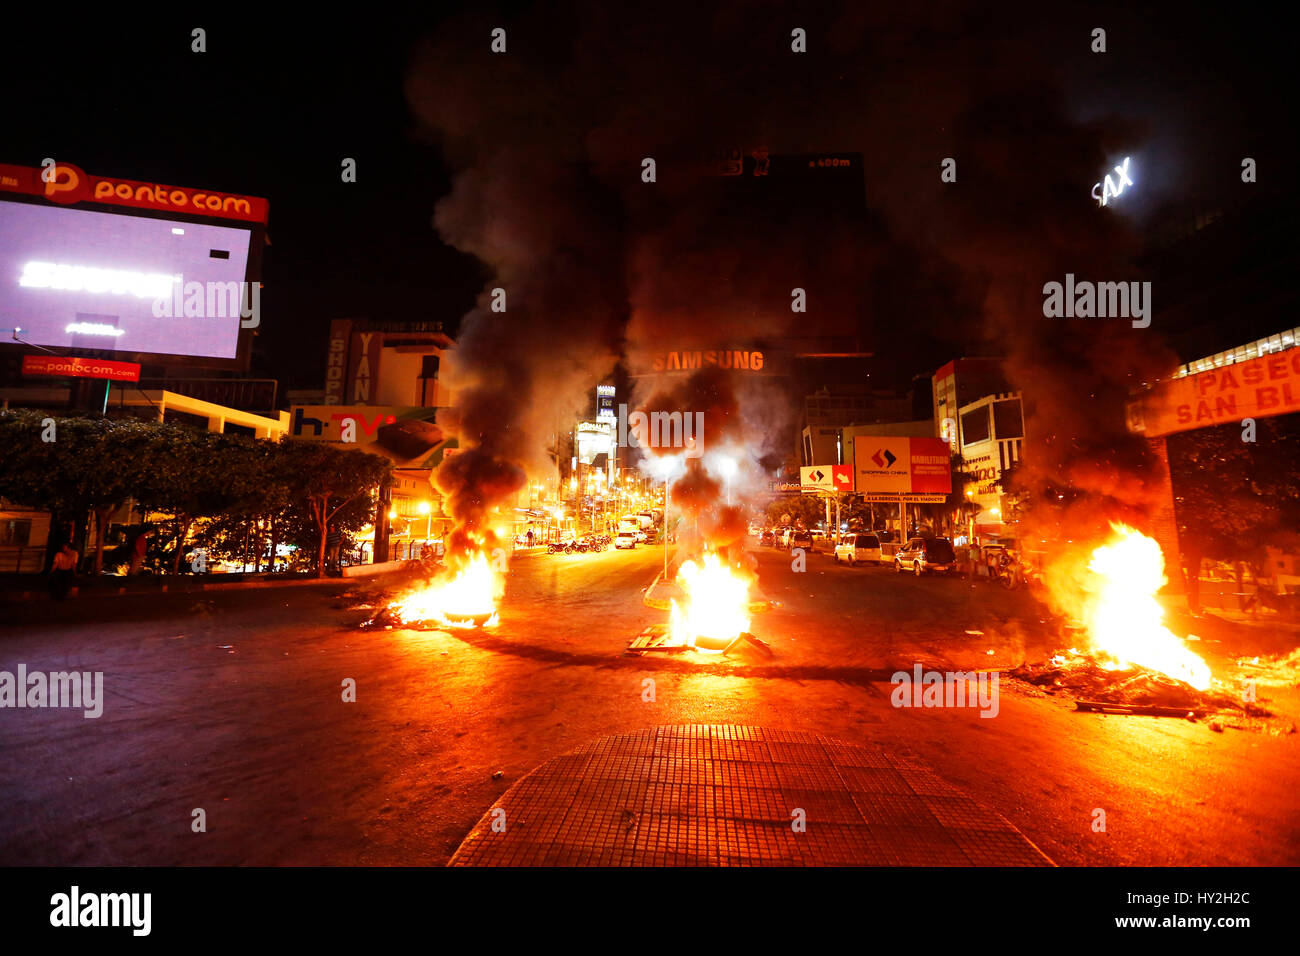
[400,433]
[71,366]
[81,279]
[825,479]
[884,465]
[141,271]
[1257,388]
[66,184]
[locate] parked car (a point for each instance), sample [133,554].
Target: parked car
[641,537]
[768,538]
[626,539]
[858,547]
[920,555]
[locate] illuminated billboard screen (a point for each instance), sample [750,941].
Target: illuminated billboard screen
[83,279]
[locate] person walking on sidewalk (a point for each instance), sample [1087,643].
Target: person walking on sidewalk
[139,548]
[62,571]
[333,544]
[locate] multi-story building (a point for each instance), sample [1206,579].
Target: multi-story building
[382,393]
[959,383]
[831,409]
[991,434]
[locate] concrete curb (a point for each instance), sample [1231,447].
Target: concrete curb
[178,588]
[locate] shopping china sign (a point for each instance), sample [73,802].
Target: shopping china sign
[901,466]
[825,479]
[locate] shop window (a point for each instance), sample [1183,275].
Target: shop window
[975,426]
[15,532]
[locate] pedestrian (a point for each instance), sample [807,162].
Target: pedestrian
[63,571]
[139,548]
[333,544]
[530,537]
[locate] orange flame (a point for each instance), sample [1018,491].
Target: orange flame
[715,607]
[467,599]
[1124,619]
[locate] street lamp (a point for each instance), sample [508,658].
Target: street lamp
[728,466]
[665,466]
[427,510]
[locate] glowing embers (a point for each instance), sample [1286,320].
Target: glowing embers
[714,610]
[1123,617]
[466,598]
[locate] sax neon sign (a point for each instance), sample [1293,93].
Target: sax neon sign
[1109,188]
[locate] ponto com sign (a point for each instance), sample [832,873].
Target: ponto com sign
[66,184]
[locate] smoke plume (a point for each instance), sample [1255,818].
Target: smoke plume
[547,143]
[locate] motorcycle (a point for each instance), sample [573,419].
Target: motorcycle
[1012,573]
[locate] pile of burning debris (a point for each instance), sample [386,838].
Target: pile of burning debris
[1103,687]
[461,598]
[1133,663]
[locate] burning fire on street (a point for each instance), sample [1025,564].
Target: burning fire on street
[714,611]
[1125,621]
[467,598]
[1131,662]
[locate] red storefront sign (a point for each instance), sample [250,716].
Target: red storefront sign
[65,183]
[71,366]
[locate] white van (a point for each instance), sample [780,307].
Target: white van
[858,547]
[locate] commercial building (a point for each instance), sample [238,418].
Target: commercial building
[386,363]
[84,334]
[959,383]
[829,410]
[382,393]
[991,436]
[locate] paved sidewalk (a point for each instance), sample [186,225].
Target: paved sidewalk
[726,795]
[105,586]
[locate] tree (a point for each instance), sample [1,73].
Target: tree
[90,465]
[1232,498]
[327,480]
[802,510]
[292,489]
[192,474]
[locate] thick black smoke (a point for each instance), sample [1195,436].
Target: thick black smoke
[548,138]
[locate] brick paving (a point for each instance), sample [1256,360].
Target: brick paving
[724,795]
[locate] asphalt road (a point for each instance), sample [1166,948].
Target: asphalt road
[232,702]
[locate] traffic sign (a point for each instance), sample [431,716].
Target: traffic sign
[825,479]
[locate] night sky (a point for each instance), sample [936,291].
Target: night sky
[272,108]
